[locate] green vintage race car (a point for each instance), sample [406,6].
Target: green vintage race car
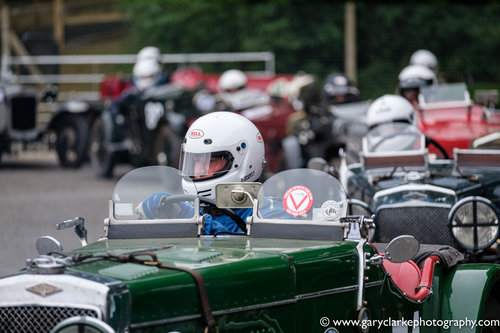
[301,266]
[454,202]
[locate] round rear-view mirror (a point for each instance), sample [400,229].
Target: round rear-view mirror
[402,248]
[46,245]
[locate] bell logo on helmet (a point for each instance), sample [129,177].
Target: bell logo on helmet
[196,134]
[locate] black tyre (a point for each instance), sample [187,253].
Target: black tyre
[71,141]
[166,147]
[102,159]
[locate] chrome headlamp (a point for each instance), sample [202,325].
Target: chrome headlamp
[82,324]
[474,223]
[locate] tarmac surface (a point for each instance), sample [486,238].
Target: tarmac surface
[36,194]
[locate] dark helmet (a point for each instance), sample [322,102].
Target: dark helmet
[339,89]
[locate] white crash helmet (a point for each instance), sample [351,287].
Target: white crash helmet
[390,108]
[147,73]
[232,79]
[149,52]
[226,138]
[425,58]
[415,77]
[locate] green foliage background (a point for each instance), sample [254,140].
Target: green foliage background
[309,35]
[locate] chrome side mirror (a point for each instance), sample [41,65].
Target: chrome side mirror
[79,224]
[402,248]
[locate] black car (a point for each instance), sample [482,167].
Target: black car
[147,131]
[66,129]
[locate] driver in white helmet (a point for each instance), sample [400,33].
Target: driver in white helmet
[152,53]
[384,116]
[149,52]
[424,58]
[218,147]
[234,94]
[390,109]
[388,115]
[232,81]
[412,78]
[146,74]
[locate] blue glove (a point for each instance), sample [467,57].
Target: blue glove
[222,222]
[148,208]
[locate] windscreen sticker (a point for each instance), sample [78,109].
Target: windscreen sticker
[298,200]
[330,210]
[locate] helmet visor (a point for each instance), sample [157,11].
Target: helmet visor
[204,166]
[414,83]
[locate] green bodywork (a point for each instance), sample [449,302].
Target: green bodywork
[468,290]
[273,285]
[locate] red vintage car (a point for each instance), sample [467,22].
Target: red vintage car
[272,119]
[447,115]
[270,115]
[192,77]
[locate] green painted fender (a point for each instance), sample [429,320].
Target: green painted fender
[467,289]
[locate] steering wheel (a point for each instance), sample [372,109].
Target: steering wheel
[169,208]
[430,141]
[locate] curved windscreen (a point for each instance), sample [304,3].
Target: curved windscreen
[393,137]
[445,93]
[302,194]
[143,183]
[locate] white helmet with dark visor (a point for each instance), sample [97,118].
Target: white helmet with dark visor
[222,147]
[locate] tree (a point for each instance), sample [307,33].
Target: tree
[308,36]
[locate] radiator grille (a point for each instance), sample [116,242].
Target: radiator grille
[37,319]
[23,112]
[428,224]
